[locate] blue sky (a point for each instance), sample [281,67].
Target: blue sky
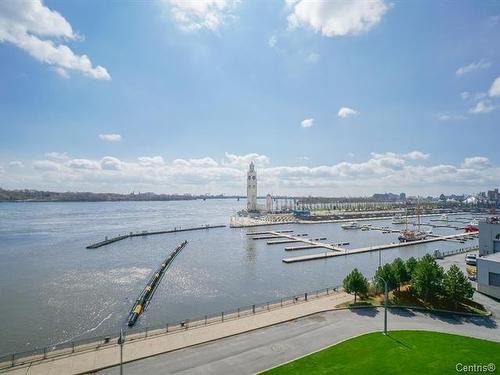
[178,96]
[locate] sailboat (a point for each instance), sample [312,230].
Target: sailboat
[412,235]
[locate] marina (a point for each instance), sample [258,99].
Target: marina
[49,237]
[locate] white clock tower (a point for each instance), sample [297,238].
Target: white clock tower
[251,189]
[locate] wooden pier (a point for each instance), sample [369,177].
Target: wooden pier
[147,233]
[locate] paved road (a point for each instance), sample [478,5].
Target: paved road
[459,260]
[268,347]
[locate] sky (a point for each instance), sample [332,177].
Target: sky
[331,98]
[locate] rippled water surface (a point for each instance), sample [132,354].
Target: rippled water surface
[53,289]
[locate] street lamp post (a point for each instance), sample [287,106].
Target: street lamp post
[385,304]
[385,307]
[121,341]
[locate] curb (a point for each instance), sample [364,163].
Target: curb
[418,308]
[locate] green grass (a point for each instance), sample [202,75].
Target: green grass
[401,352]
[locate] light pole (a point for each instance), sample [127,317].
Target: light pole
[385,304]
[121,341]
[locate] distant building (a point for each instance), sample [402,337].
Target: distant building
[493,195]
[269,203]
[251,189]
[488,263]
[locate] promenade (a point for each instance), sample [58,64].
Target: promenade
[138,348]
[271,346]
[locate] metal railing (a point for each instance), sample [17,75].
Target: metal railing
[438,254]
[140,333]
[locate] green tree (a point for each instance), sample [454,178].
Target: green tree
[456,287]
[355,283]
[410,265]
[386,273]
[427,278]
[399,271]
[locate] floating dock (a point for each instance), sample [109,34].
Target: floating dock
[148,233]
[309,243]
[147,294]
[331,254]
[268,232]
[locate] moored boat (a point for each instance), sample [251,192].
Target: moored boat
[351,225]
[398,219]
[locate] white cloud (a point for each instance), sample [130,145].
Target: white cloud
[194,15]
[416,155]
[111,163]
[61,72]
[57,155]
[110,137]
[83,164]
[312,58]
[151,160]
[387,171]
[307,123]
[465,95]
[16,164]
[242,161]
[336,18]
[484,106]
[272,41]
[345,112]
[480,65]
[450,117]
[495,87]
[36,29]
[46,165]
[476,162]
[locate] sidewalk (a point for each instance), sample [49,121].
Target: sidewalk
[93,360]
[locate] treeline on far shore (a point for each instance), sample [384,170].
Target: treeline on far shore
[51,196]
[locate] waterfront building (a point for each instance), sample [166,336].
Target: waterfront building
[269,203]
[488,263]
[493,195]
[251,189]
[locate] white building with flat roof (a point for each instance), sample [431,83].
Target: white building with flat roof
[488,263]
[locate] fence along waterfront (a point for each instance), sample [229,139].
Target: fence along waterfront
[97,342]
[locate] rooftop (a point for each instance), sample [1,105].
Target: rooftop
[493,257]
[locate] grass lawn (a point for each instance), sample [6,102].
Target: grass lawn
[401,352]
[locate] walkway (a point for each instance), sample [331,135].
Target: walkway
[268,347]
[106,356]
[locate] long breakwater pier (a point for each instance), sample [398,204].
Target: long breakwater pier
[147,294]
[111,240]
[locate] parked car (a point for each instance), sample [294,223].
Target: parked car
[471,260]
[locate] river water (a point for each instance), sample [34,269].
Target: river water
[52,289]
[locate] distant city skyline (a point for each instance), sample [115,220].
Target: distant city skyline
[326,98]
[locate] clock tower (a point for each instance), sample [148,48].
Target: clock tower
[251,189]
